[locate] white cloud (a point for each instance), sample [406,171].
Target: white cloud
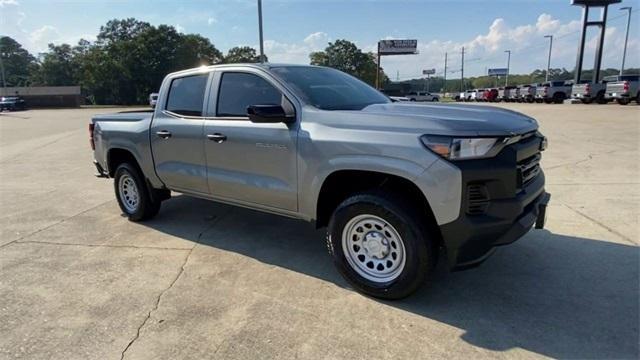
[317,40]
[39,39]
[179,28]
[4,3]
[211,21]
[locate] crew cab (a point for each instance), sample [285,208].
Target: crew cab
[625,90]
[422,96]
[396,184]
[553,91]
[528,93]
[504,93]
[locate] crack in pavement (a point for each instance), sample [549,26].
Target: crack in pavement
[215,220]
[624,237]
[54,224]
[589,157]
[101,245]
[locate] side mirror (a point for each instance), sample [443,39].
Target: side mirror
[268,114]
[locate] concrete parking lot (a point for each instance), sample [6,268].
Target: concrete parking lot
[204,280]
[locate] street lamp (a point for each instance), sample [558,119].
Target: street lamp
[626,39]
[546,78]
[506,81]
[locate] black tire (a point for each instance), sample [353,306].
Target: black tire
[412,99]
[638,99]
[417,243]
[600,99]
[586,101]
[435,100]
[623,101]
[148,200]
[558,98]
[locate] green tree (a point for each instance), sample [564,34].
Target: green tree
[57,67]
[242,54]
[345,56]
[17,62]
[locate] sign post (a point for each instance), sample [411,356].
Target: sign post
[428,72]
[394,47]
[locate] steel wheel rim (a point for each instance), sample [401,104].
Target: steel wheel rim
[128,192]
[373,248]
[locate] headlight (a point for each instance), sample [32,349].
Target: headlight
[462,148]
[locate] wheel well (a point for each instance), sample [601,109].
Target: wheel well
[115,157]
[341,184]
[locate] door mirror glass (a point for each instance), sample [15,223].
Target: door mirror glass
[268,114]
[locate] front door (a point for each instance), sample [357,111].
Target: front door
[177,137]
[249,162]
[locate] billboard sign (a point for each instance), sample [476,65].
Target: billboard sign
[498,72]
[428,72]
[397,47]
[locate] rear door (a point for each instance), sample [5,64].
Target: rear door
[177,139]
[249,162]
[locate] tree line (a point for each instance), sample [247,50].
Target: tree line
[130,58]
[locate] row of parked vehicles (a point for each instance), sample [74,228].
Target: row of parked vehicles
[622,89]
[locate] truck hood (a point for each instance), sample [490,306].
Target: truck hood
[453,119]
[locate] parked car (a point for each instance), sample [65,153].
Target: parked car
[394,183]
[504,93]
[514,94]
[491,95]
[624,90]
[470,95]
[554,91]
[153,100]
[422,96]
[528,93]
[587,92]
[480,95]
[12,103]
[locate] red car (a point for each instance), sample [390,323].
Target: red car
[491,95]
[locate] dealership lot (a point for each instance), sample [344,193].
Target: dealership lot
[77,280]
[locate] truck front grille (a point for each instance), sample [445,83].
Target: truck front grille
[528,169]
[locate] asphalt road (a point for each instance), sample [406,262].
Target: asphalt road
[204,280]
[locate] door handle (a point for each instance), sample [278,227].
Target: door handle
[164,134]
[217,137]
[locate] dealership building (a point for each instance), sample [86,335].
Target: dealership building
[46,96]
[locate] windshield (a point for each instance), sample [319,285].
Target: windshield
[329,89]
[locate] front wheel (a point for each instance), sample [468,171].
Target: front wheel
[380,246]
[133,194]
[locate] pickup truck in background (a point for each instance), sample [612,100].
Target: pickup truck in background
[625,90]
[554,91]
[153,100]
[588,92]
[528,93]
[514,94]
[422,96]
[504,93]
[395,183]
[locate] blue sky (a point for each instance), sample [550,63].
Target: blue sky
[295,28]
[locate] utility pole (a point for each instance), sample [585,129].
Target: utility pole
[546,78]
[260,31]
[506,80]
[378,69]
[462,72]
[626,39]
[4,82]
[444,86]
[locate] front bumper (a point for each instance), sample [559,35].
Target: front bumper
[508,210]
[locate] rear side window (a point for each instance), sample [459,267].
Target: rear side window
[240,90]
[186,95]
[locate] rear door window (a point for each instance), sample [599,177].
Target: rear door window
[186,95]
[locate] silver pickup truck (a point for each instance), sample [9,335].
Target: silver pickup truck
[625,90]
[553,92]
[396,184]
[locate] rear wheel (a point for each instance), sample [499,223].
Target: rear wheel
[558,98]
[587,101]
[380,246]
[133,195]
[623,101]
[600,99]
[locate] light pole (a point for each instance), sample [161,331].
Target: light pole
[546,78]
[506,80]
[260,30]
[626,39]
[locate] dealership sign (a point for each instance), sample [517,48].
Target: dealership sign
[428,72]
[397,47]
[498,72]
